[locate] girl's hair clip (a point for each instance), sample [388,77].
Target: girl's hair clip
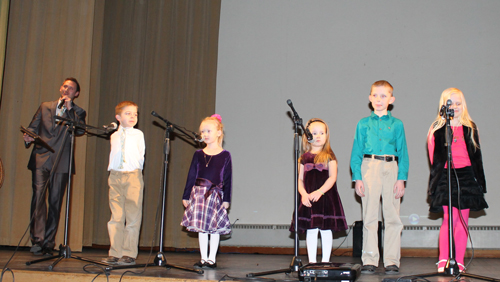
[217,116]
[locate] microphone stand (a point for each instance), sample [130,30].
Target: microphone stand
[160,259]
[64,249]
[451,266]
[296,263]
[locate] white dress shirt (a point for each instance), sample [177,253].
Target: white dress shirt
[135,149]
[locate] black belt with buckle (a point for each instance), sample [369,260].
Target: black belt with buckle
[382,158]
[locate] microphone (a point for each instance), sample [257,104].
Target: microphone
[110,126]
[153,113]
[442,111]
[198,138]
[61,103]
[289,102]
[448,105]
[306,131]
[309,136]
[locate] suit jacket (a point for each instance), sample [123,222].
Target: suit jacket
[52,132]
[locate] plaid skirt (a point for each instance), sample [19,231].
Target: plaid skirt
[205,212]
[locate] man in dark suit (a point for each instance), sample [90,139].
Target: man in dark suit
[43,162]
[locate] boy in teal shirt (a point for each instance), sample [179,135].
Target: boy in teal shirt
[379,164]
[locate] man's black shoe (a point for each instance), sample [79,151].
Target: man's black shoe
[47,252]
[35,248]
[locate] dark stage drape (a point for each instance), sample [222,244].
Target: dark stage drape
[160,54]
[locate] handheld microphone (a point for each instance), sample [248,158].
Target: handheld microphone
[111,126]
[448,103]
[61,103]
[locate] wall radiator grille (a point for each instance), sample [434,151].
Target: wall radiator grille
[407,227]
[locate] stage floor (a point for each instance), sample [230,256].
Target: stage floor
[230,267]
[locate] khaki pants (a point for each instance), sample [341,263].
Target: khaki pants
[379,178]
[125,202]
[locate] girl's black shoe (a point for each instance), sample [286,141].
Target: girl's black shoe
[210,264]
[199,264]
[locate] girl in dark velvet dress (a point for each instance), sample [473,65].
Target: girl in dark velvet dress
[467,168]
[208,191]
[320,209]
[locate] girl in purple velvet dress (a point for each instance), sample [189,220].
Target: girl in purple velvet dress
[208,191]
[320,210]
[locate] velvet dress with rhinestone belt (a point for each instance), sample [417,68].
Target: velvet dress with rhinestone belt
[208,185]
[325,214]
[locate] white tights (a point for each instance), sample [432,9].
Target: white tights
[214,245]
[312,244]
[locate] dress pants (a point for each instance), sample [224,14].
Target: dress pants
[379,178]
[125,201]
[44,225]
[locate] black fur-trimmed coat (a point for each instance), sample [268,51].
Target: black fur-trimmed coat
[440,158]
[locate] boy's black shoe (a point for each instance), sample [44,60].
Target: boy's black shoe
[126,260]
[392,269]
[368,269]
[110,260]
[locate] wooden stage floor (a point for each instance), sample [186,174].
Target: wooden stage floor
[230,267]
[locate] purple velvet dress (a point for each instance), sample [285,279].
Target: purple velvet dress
[325,214]
[208,184]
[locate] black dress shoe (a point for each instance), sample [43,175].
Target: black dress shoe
[48,252]
[38,253]
[199,264]
[35,248]
[210,264]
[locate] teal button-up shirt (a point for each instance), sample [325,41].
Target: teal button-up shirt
[383,135]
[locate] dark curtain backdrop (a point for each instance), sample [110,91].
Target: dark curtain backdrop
[160,54]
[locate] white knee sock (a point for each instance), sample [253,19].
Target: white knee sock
[312,244]
[214,245]
[203,240]
[326,244]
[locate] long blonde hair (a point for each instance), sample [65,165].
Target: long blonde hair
[217,120]
[465,118]
[326,155]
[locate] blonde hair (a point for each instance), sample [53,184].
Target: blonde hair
[326,155]
[382,83]
[217,120]
[465,118]
[119,108]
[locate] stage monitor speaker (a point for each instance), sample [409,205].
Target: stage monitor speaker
[357,238]
[329,271]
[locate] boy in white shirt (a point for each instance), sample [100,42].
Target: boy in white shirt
[126,185]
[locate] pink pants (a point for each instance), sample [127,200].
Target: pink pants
[460,234]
